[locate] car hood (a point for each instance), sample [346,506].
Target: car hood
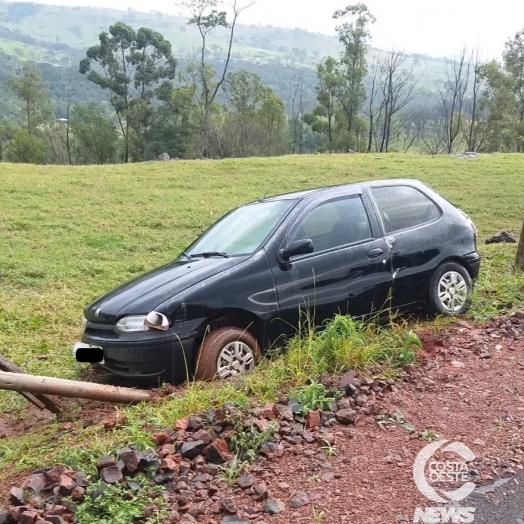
[144,293]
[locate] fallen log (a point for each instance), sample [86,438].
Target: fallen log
[70,388]
[38,400]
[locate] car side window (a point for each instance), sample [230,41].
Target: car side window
[334,224]
[402,207]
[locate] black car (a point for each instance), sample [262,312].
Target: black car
[350,249]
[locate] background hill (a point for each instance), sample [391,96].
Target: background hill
[56,38]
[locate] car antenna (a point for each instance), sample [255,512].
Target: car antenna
[265,194]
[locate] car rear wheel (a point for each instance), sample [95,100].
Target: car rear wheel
[450,290]
[227,352]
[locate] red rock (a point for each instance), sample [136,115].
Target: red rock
[35,482]
[17,496]
[159,438]
[106,461]
[245,481]
[266,412]
[260,491]
[204,436]
[115,419]
[67,484]
[111,475]
[78,494]
[346,416]
[130,458]
[53,475]
[14,512]
[27,517]
[221,444]
[181,425]
[217,452]
[279,451]
[313,419]
[58,510]
[169,465]
[300,499]
[166,449]
[284,412]
[66,426]
[262,424]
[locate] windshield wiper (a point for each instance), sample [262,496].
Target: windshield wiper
[208,254]
[187,255]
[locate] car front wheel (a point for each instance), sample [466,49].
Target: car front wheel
[450,290]
[227,352]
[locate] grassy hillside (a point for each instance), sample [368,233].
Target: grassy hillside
[68,234]
[78,27]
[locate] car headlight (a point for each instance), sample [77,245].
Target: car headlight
[139,323]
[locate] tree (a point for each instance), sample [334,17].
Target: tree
[172,128]
[498,102]
[397,92]
[452,98]
[475,135]
[372,107]
[207,18]
[519,260]
[33,94]
[244,92]
[25,148]
[95,135]
[354,36]
[131,66]
[414,125]
[329,82]
[273,120]
[514,64]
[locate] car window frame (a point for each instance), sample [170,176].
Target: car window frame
[379,215]
[314,205]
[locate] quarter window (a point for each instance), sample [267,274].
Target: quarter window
[334,224]
[402,207]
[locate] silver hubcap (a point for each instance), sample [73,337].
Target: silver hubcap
[452,291]
[234,360]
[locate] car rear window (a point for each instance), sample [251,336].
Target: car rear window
[402,207]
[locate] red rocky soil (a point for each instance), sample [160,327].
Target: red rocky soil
[469,388]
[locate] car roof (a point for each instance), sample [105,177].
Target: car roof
[356,186]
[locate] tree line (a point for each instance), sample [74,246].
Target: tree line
[156,106]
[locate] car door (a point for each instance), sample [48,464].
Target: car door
[412,224]
[347,272]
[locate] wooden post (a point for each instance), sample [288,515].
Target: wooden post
[70,388]
[40,401]
[519,260]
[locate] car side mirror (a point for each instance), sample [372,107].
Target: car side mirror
[298,247]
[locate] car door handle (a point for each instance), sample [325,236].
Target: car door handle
[374,253]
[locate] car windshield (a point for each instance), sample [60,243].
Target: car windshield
[242,231]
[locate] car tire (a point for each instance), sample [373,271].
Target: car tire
[450,290]
[227,352]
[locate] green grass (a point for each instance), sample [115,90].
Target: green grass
[68,234]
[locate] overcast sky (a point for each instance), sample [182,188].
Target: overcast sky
[434,27]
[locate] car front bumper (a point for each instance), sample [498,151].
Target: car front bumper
[150,356]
